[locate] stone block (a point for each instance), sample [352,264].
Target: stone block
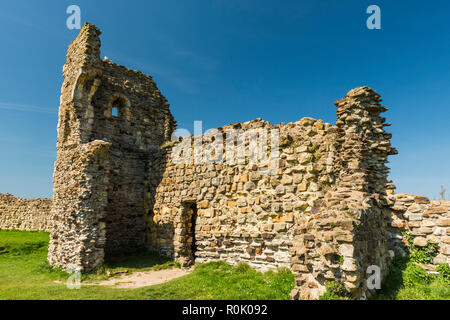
[420,241]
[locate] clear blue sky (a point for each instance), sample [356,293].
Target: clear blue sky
[234,60]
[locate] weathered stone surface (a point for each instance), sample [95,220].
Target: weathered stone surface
[421,200]
[101,196]
[25,214]
[420,241]
[440,259]
[427,221]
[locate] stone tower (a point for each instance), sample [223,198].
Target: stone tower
[111,120]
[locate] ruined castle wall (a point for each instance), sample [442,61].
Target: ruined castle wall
[25,214]
[77,240]
[245,214]
[113,118]
[138,129]
[317,206]
[347,233]
[323,214]
[427,221]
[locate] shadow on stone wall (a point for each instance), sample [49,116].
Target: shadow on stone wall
[160,235]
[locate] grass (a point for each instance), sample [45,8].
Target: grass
[141,260]
[25,274]
[408,281]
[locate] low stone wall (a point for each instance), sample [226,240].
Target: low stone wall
[24,214]
[427,221]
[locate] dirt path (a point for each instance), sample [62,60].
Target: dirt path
[144,278]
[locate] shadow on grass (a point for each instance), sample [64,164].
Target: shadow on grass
[394,282]
[140,259]
[14,243]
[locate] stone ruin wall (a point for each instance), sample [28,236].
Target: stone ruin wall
[324,204]
[24,214]
[325,212]
[427,221]
[244,213]
[322,214]
[348,232]
[100,177]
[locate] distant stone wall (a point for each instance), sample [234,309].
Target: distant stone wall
[24,214]
[427,221]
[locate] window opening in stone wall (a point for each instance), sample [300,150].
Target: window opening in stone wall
[117,107]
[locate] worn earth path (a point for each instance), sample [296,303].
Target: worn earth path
[144,278]
[139,279]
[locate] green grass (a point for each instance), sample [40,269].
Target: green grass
[141,260]
[408,281]
[25,274]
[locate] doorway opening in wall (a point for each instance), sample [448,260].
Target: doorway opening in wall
[190,223]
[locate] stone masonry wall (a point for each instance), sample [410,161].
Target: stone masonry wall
[318,206]
[322,214]
[78,238]
[111,120]
[244,213]
[347,232]
[427,221]
[24,214]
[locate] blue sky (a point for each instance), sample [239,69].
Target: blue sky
[234,60]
